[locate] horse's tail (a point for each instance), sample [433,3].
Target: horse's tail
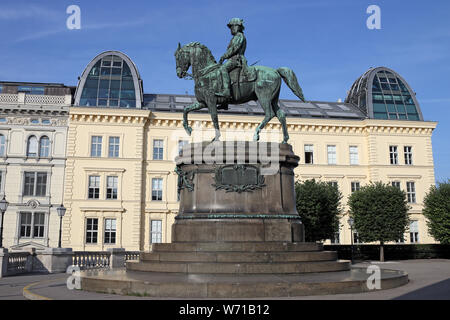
[291,80]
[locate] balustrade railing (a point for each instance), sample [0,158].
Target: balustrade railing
[18,263]
[91,259]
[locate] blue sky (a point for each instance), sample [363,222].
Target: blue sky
[326,42]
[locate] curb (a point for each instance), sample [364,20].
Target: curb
[34,296]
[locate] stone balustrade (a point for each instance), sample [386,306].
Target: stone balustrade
[55,260]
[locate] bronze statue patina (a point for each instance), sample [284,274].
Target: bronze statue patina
[244,83]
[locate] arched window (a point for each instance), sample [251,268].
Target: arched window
[32,146]
[110,80]
[2,145]
[44,147]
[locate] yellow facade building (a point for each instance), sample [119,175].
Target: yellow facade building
[120,186]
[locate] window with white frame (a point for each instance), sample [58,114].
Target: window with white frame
[414,231]
[181,144]
[110,231]
[44,147]
[157,187]
[113,148]
[111,187]
[333,184]
[411,191]
[393,155]
[158,149]
[408,155]
[32,224]
[331,151]
[35,184]
[354,155]
[2,145]
[32,147]
[96,146]
[156,231]
[396,184]
[91,230]
[309,154]
[355,186]
[94,187]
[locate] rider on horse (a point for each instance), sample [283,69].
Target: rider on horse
[234,55]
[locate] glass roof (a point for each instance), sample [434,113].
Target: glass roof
[109,83]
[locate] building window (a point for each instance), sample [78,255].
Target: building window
[32,225]
[309,154]
[44,147]
[156,231]
[408,155]
[336,238]
[393,154]
[94,187]
[157,189]
[113,151]
[91,230]
[333,184]
[396,184]
[25,224]
[1,181]
[35,184]
[111,187]
[354,157]
[32,146]
[331,150]
[411,191]
[181,144]
[96,146]
[355,237]
[158,149]
[414,231]
[2,145]
[110,231]
[355,186]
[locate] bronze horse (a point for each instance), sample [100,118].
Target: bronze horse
[265,88]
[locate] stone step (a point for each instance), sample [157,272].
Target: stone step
[238,268]
[236,246]
[239,257]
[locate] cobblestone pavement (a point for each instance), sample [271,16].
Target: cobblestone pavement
[428,279]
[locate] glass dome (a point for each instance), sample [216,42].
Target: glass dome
[110,80]
[383,94]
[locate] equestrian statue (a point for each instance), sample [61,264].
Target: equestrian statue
[234,82]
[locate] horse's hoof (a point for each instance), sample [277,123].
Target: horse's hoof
[188,130]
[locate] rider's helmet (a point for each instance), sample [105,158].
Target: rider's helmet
[236,21]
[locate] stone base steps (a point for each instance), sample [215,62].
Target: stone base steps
[236,246]
[238,268]
[238,257]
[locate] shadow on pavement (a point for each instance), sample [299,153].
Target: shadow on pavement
[437,291]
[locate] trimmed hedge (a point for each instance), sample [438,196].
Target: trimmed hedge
[391,251]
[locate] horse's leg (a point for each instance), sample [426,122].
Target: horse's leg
[265,94]
[281,117]
[192,107]
[268,115]
[211,102]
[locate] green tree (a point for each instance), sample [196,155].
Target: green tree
[437,211]
[319,207]
[380,213]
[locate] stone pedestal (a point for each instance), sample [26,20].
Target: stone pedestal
[3,262]
[237,191]
[53,260]
[117,258]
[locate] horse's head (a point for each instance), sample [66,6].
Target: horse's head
[183,60]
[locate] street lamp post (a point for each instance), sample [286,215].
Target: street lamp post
[3,206]
[350,222]
[61,212]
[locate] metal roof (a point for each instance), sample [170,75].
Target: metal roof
[292,108]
